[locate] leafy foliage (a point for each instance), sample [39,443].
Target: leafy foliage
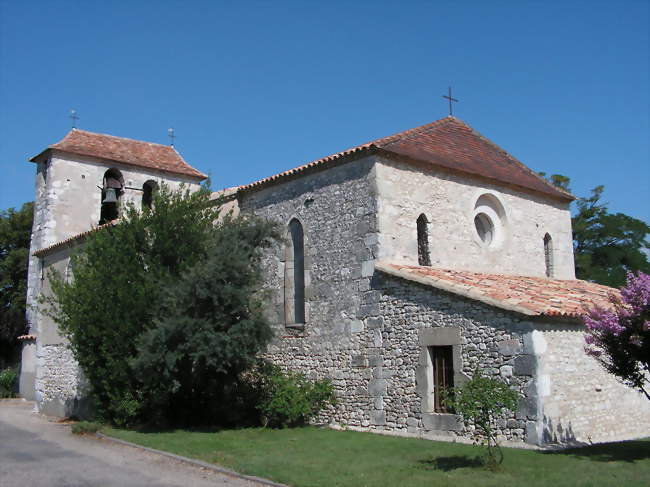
[119,279]
[8,382]
[608,246]
[481,401]
[620,337]
[288,399]
[210,327]
[15,233]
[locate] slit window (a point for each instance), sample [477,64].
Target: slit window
[423,241]
[548,255]
[294,275]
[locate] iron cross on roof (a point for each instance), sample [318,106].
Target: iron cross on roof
[449,97]
[74,117]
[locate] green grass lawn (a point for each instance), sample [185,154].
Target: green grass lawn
[311,457]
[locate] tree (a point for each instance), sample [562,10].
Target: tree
[210,328]
[606,246]
[480,402]
[620,337]
[15,234]
[119,278]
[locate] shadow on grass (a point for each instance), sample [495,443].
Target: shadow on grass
[447,464]
[624,451]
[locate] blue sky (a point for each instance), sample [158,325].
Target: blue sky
[254,88]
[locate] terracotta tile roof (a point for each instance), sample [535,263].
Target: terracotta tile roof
[448,143]
[72,240]
[127,151]
[532,296]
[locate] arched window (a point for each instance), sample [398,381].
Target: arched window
[548,255]
[294,275]
[148,189]
[112,190]
[423,241]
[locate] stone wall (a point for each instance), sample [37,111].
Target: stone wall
[491,340]
[59,382]
[581,401]
[337,210]
[449,201]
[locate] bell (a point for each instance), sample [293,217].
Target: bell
[110,196]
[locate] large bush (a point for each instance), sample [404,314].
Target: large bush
[161,310]
[210,327]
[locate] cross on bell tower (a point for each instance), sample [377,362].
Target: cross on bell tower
[74,117]
[449,97]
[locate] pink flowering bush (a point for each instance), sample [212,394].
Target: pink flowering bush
[620,337]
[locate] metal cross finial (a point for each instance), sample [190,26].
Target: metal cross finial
[448,97]
[74,117]
[170,132]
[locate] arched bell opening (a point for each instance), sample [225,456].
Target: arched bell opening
[148,190]
[112,191]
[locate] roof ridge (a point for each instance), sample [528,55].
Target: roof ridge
[513,158]
[405,133]
[114,137]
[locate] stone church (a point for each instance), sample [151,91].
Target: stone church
[409,262]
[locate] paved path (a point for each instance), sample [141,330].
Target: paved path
[41,453]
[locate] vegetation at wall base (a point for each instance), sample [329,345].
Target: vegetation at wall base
[8,382]
[321,457]
[86,428]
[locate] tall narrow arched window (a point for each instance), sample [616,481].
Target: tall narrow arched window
[294,275]
[148,190]
[548,255]
[112,190]
[423,241]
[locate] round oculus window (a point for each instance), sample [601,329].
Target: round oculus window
[484,227]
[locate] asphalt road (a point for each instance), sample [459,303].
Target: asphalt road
[41,453]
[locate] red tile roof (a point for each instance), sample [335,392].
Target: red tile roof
[532,296]
[448,143]
[73,239]
[127,151]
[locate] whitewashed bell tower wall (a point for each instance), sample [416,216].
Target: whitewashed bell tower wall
[450,203]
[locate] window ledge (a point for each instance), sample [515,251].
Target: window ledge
[295,326]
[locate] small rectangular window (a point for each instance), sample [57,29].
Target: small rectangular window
[443,374]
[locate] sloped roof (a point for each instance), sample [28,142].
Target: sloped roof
[532,296]
[74,239]
[447,143]
[127,151]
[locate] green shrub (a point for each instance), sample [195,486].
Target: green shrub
[8,382]
[86,428]
[289,398]
[481,401]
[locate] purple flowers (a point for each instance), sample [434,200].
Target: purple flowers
[619,337]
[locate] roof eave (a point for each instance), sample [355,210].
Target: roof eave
[43,154]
